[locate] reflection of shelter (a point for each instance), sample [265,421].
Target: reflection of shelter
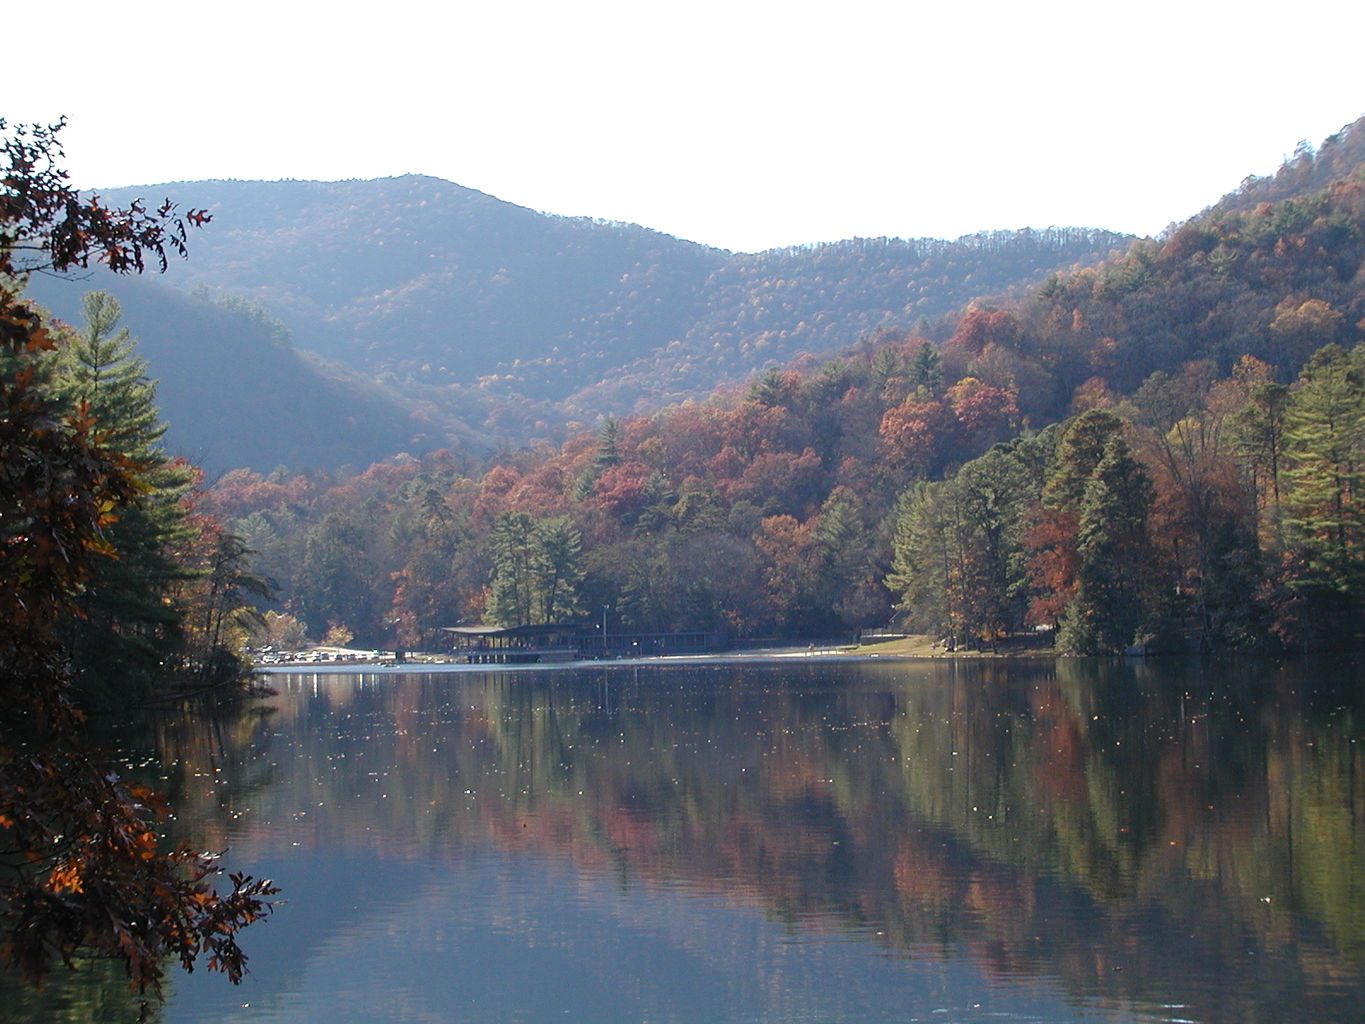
[560,642]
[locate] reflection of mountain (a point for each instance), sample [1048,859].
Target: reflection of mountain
[1161,840]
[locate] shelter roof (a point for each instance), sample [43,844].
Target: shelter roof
[541,629]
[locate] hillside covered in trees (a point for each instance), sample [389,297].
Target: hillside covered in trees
[236,392]
[1163,448]
[439,315]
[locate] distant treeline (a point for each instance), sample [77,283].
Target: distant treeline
[1163,449]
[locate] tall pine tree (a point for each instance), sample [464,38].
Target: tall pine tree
[536,571]
[131,630]
[1324,489]
[511,588]
[1115,556]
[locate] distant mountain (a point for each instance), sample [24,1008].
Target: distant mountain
[419,280]
[769,308]
[513,322]
[235,393]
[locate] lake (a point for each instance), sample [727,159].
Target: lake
[810,841]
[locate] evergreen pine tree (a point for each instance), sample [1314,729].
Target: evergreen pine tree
[131,631]
[510,588]
[927,369]
[1115,556]
[608,445]
[770,389]
[928,562]
[556,572]
[888,364]
[607,455]
[1080,450]
[1324,487]
[103,371]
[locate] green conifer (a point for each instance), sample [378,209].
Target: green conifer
[1115,556]
[1324,487]
[132,629]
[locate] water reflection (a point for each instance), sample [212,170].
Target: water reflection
[858,842]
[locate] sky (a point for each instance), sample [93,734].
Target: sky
[743,124]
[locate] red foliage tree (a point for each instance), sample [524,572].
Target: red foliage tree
[496,485]
[984,412]
[788,547]
[47,225]
[782,481]
[913,432]
[977,329]
[620,490]
[1053,564]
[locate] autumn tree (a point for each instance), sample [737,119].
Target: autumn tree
[1207,522]
[985,413]
[1203,515]
[790,552]
[45,224]
[1302,326]
[913,433]
[85,872]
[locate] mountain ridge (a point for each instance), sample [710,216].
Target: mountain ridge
[506,324]
[421,313]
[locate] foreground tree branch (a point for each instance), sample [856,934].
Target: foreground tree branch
[83,871]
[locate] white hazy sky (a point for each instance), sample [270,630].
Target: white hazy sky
[744,124]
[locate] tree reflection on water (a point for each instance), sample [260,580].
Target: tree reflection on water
[1138,834]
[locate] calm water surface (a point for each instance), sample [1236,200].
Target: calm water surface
[954,842]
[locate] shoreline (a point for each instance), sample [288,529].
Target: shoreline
[920,648]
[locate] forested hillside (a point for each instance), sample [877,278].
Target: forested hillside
[768,308]
[1308,170]
[501,324]
[1163,448]
[235,392]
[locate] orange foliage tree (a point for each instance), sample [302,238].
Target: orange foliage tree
[83,872]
